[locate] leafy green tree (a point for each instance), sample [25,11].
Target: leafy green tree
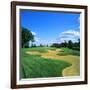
[47,45]
[70,44]
[26,45]
[64,44]
[33,45]
[55,45]
[26,37]
[32,42]
[79,42]
[41,45]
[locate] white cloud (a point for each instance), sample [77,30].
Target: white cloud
[68,35]
[37,39]
[34,33]
[71,32]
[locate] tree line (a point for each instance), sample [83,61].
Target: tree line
[27,36]
[69,44]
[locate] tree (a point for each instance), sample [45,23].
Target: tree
[33,45]
[41,45]
[70,44]
[79,42]
[26,37]
[64,44]
[47,45]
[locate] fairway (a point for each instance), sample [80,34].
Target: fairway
[49,62]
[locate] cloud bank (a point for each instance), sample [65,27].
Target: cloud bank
[68,35]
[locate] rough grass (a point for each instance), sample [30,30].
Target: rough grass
[67,51]
[35,66]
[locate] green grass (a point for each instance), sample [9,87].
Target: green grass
[39,49]
[67,51]
[34,66]
[52,48]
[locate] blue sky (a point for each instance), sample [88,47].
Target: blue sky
[51,27]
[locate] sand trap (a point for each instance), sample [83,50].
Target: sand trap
[33,53]
[73,70]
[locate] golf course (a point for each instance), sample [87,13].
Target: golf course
[50,44]
[49,62]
